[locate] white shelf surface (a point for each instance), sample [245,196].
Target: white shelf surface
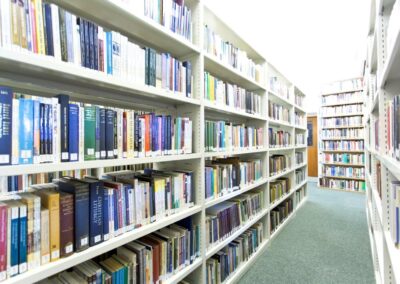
[342,177]
[280,123]
[230,195]
[343,164]
[117,15]
[300,127]
[69,166]
[275,149]
[233,153]
[225,72]
[300,146]
[299,108]
[344,103]
[392,165]
[300,166]
[375,105]
[394,255]
[221,244]
[342,127]
[279,99]
[227,110]
[64,263]
[184,272]
[281,174]
[343,115]
[281,199]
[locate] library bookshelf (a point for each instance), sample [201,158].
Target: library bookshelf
[381,74]
[45,76]
[342,125]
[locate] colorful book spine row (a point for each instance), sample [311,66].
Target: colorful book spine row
[225,217]
[223,176]
[278,112]
[343,98]
[343,86]
[231,95]
[299,100]
[394,212]
[224,263]
[278,188]
[42,130]
[343,133]
[279,163]
[344,158]
[172,14]
[47,29]
[342,110]
[353,185]
[231,55]
[339,171]
[300,194]
[300,175]
[342,121]
[393,118]
[343,145]
[225,136]
[278,87]
[151,259]
[279,138]
[299,158]
[300,139]
[56,220]
[280,213]
[300,119]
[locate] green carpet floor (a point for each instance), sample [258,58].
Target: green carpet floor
[326,242]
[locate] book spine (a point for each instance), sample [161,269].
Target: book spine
[56,31]
[6,123]
[64,131]
[73,132]
[54,225]
[13,244]
[95,47]
[63,34]
[15,132]
[106,226]
[97,132]
[69,37]
[23,246]
[41,49]
[96,213]
[36,131]
[81,219]
[103,137]
[66,224]
[26,132]
[3,242]
[109,48]
[45,237]
[49,29]
[109,133]
[90,132]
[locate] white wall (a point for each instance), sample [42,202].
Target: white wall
[311,42]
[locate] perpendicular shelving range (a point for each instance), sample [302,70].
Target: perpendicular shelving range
[45,76]
[381,77]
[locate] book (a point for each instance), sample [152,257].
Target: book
[6,106]
[3,240]
[66,224]
[44,236]
[26,132]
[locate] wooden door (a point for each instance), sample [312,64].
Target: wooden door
[312,147]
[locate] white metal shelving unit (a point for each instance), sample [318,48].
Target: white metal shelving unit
[381,77]
[42,75]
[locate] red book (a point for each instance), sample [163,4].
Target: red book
[147,148]
[3,241]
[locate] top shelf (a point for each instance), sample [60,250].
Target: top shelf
[118,16]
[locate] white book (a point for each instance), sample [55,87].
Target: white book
[76,41]
[56,131]
[56,31]
[101,48]
[15,132]
[116,54]
[124,57]
[5,17]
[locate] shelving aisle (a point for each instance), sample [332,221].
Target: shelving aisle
[278,130]
[381,75]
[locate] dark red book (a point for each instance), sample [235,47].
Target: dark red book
[3,241]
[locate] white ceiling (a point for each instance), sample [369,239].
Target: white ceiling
[311,42]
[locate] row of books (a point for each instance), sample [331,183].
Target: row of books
[56,220]
[299,158]
[231,55]
[343,86]
[279,87]
[150,259]
[343,98]
[342,110]
[299,99]
[344,158]
[280,213]
[353,185]
[342,121]
[300,175]
[41,130]
[394,212]
[300,194]
[343,145]
[279,163]
[172,14]
[224,263]
[225,136]
[47,29]
[300,119]
[393,117]
[279,112]
[278,188]
[340,171]
[279,138]
[300,139]
[223,93]
[343,133]
[226,217]
[223,176]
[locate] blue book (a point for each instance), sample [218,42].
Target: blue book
[96,193]
[6,98]
[13,236]
[188,66]
[63,100]
[106,229]
[109,52]
[80,190]
[49,29]
[81,23]
[97,133]
[22,236]
[115,210]
[169,134]
[109,133]
[128,193]
[123,207]
[36,131]
[50,129]
[163,127]
[87,45]
[26,132]
[42,128]
[91,45]
[73,132]
[102,129]
[96,46]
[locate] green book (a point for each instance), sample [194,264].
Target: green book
[90,132]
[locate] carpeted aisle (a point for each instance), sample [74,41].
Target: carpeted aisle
[326,242]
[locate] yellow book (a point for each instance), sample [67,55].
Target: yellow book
[45,236]
[41,48]
[22,25]
[15,24]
